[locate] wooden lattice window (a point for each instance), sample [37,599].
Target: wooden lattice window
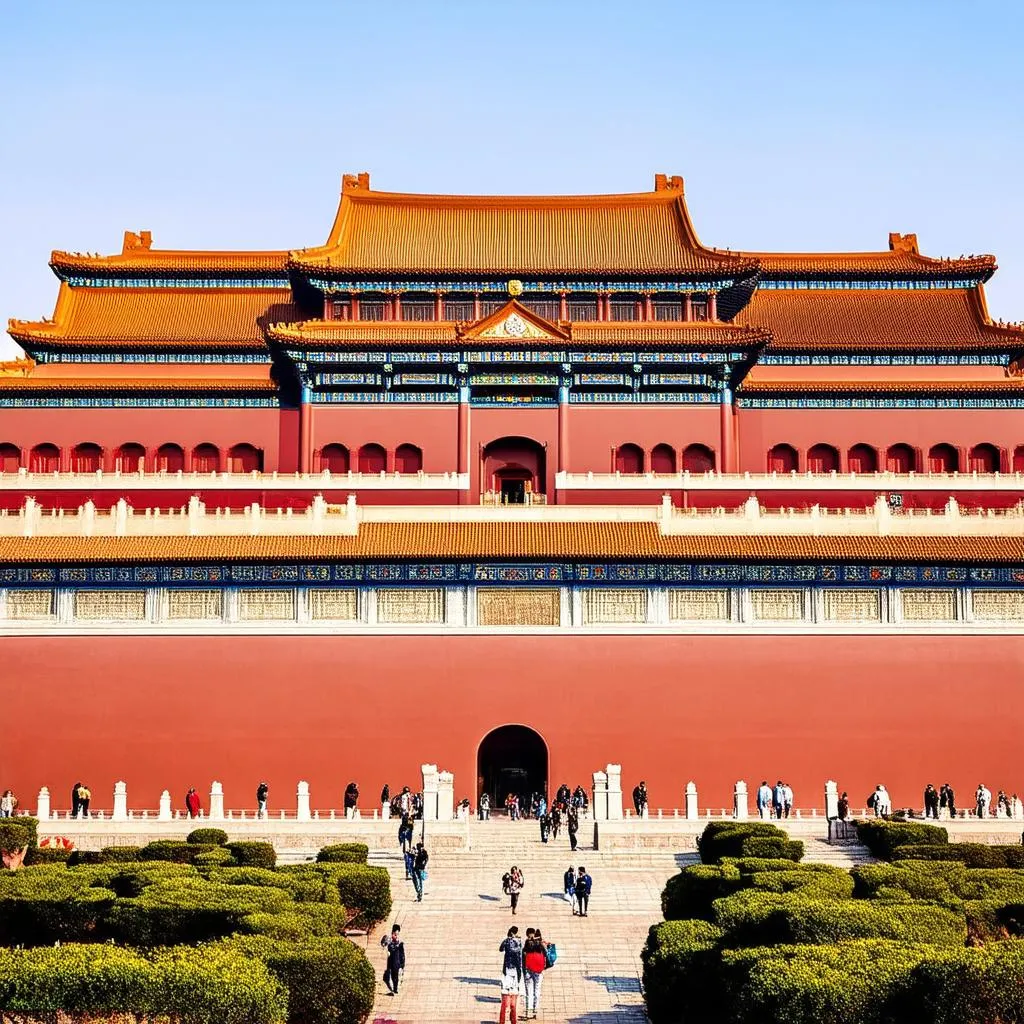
[30,604]
[777,605]
[704,605]
[929,605]
[110,605]
[339,605]
[998,605]
[609,606]
[195,604]
[853,605]
[413,605]
[518,606]
[266,605]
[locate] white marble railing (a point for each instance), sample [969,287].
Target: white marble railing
[323,519]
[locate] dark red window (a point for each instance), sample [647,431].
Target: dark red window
[629,458]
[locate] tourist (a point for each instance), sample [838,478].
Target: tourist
[417,805]
[512,885]
[409,859]
[511,974]
[569,887]
[931,802]
[1016,808]
[843,807]
[579,800]
[484,807]
[419,870]
[385,802]
[535,961]
[947,800]
[262,792]
[982,799]
[563,796]
[76,801]
[351,800]
[396,958]
[512,806]
[405,832]
[572,824]
[584,883]
[1002,805]
[405,801]
[542,805]
[640,799]
[764,800]
[556,821]
[545,827]
[787,799]
[778,799]
[192,802]
[8,804]
[880,802]
[84,796]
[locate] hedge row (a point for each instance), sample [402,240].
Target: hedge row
[883,838]
[344,853]
[747,839]
[974,855]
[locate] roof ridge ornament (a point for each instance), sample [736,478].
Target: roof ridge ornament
[904,243]
[668,183]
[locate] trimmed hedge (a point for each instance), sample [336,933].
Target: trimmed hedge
[974,855]
[365,890]
[212,985]
[208,836]
[757,918]
[46,855]
[883,838]
[177,851]
[344,853]
[16,833]
[691,893]
[119,854]
[746,839]
[253,855]
[680,963]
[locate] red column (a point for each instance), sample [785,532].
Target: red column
[355,306]
[462,437]
[728,461]
[563,430]
[688,307]
[439,306]
[563,306]
[476,305]
[305,432]
[712,306]
[648,308]
[600,308]
[396,307]
[328,307]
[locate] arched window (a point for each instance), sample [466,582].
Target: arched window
[86,458]
[334,458]
[45,458]
[863,459]
[783,459]
[663,459]
[10,458]
[244,458]
[822,458]
[372,459]
[408,459]
[698,458]
[170,458]
[985,458]
[130,458]
[900,458]
[943,458]
[1018,459]
[206,458]
[629,458]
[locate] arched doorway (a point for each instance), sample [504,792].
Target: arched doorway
[513,470]
[512,759]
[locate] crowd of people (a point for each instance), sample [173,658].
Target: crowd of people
[940,804]
[774,801]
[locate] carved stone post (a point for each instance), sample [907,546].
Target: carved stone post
[831,800]
[445,796]
[43,804]
[216,802]
[164,814]
[302,802]
[691,801]
[739,801]
[120,812]
[599,804]
[430,782]
[614,792]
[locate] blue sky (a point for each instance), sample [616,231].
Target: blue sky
[228,124]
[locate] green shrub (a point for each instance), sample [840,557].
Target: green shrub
[364,890]
[690,893]
[214,985]
[119,854]
[79,858]
[254,876]
[757,918]
[208,837]
[46,855]
[730,839]
[13,836]
[218,857]
[974,855]
[253,855]
[883,838]
[47,904]
[344,853]
[302,921]
[30,826]
[175,850]
[756,865]
[773,847]
[680,973]
[835,884]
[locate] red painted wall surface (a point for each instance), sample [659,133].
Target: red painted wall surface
[170,712]
[761,429]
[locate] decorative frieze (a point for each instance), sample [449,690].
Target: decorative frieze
[842,605]
[997,605]
[195,605]
[518,606]
[411,606]
[110,605]
[336,605]
[614,606]
[698,605]
[255,604]
[777,605]
[928,605]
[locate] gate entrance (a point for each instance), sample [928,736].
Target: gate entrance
[512,759]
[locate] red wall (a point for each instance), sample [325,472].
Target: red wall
[170,712]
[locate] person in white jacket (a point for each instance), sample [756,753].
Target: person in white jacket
[983,798]
[882,801]
[764,800]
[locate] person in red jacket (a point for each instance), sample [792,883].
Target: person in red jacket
[192,802]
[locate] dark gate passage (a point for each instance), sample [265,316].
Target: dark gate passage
[512,759]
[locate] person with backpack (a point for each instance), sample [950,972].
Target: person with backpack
[512,886]
[419,870]
[405,832]
[584,883]
[535,963]
[569,887]
[396,958]
[511,973]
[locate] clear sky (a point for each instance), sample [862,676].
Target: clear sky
[228,123]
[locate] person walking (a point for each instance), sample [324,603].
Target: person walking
[192,802]
[484,807]
[76,800]
[385,802]
[787,799]
[843,807]
[8,804]
[572,825]
[419,870]
[778,799]
[535,962]
[931,802]
[545,827]
[584,883]
[764,800]
[262,792]
[512,885]
[947,800]
[569,887]
[982,799]
[85,796]
[511,974]
[351,800]
[405,832]
[640,799]
[556,821]
[396,958]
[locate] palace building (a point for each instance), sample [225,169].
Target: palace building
[520,486]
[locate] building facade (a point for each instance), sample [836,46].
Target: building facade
[543,462]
